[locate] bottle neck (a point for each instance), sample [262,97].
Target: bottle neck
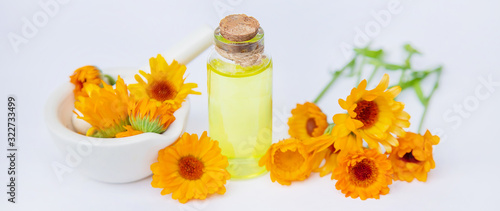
[245,53]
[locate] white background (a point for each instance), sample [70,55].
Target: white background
[305,39]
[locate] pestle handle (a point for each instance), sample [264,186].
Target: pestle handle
[190,47]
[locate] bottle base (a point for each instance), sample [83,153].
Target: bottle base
[245,168]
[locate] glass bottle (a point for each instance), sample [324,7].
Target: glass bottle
[240,102]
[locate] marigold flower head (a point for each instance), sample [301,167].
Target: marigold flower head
[307,121]
[85,75]
[165,84]
[105,109]
[331,161]
[413,157]
[322,148]
[147,116]
[365,174]
[192,168]
[287,161]
[374,115]
[348,139]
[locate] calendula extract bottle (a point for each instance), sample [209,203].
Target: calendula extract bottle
[240,94]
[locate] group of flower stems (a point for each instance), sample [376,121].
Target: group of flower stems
[350,147]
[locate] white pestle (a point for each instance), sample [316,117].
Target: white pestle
[80,125]
[184,51]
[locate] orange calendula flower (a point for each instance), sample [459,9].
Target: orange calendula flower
[413,157]
[130,132]
[105,109]
[364,174]
[147,116]
[322,148]
[287,161]
[307,121]
[165,84]
[346,130]
[192,168]
[85,75]
[331,161]
[374,115]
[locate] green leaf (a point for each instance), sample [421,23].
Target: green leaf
[393,67]
[369,53]
[438,69]
[111,81]
[419,74]
[418,91]
[376,62]
[410,49]
[328,130]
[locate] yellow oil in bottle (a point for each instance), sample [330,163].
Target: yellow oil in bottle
[240,113]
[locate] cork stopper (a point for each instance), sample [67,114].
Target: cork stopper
[239,27]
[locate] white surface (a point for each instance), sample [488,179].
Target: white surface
[305,39]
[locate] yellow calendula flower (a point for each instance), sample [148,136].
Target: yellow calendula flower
[346,130]
[322,148]
[374,115]
[85,75]
[147,116]
[105,109]
[364,174]
[324,162]
[165,84]
[413,157]
[331,161]
[192,168]
[287,161]
[307,121]
[130,132]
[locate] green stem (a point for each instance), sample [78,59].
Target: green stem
[336,75]
[327,87]
[401,79]
[373,74]
[428,99]
[359,70]
[407,66]
[422,118]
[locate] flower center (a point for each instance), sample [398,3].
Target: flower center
[190,168]
[366,112]
[310,126]
[408,157]
[162,90]
[364,173]
[288,160]
[332,148]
